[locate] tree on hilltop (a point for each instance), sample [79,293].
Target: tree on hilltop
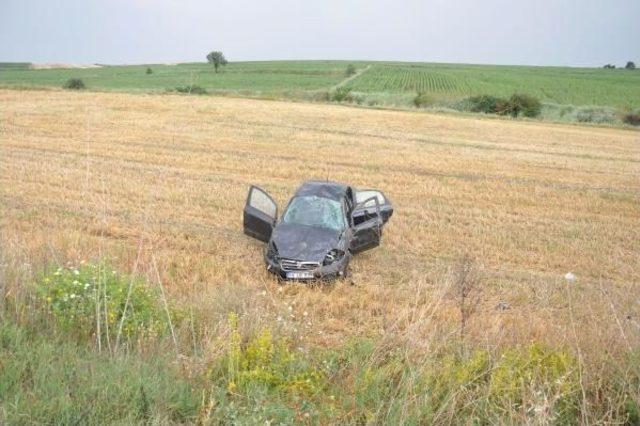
[217,59]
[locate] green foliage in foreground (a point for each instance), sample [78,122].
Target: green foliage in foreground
[52,372]
[96,300]
[47,378]
[265,361]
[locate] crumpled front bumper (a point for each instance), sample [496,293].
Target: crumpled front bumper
[326,273]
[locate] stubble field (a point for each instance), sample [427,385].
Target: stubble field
[159,181]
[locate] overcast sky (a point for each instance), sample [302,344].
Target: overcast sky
[542,32]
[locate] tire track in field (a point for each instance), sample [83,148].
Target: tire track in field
[351,78]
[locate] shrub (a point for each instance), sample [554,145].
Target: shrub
[268,363]
[455,374]
[421,99]
[517,104]
[520,104]
[483,103]
[342,94]
[522,375]
[192,90]
[522,380]
[149,70]
[74,84]
[320,96]
[96,300]
[351,70]
[596,115]
[632,118]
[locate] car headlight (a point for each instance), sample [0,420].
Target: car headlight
[332,256]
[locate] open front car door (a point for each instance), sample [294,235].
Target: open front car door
[366,222]
[260,214]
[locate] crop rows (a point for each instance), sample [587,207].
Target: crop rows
[617,88]
[403,79]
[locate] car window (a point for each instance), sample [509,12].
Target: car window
[364,195]
[261,201]
[315,211]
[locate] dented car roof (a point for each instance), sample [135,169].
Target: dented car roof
[325,189]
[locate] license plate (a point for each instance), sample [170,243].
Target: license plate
[299,275]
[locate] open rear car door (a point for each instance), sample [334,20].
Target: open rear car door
[365,204]
[260,214]
[367,223]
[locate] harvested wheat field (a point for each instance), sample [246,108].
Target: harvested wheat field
[88,175]
[156,184]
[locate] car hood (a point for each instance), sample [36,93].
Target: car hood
[304,243]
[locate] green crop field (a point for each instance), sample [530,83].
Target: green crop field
[577,86]
[388,83]
[271,77]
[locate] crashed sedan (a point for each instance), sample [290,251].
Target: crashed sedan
[323,225]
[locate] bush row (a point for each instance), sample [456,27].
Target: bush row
[515,105]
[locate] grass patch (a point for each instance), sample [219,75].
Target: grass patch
[46,378]
[96,300]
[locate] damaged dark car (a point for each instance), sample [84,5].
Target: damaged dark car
[322,227]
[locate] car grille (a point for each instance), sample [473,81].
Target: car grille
[297,265]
